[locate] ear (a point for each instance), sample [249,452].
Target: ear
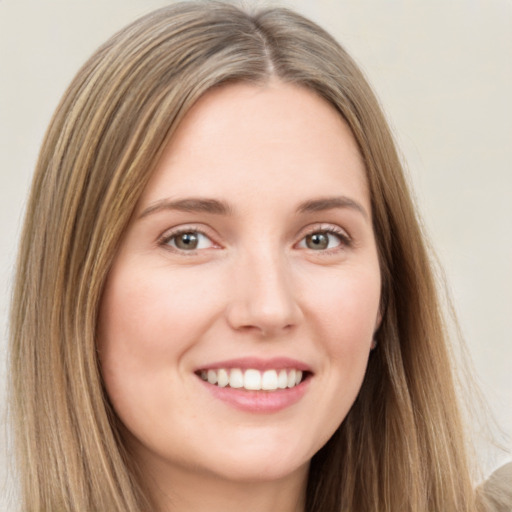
[378,321]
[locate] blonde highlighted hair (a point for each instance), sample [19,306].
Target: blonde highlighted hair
[402,445]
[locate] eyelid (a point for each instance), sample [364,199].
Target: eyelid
[345,238]
[163,239]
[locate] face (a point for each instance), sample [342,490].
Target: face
[238,316]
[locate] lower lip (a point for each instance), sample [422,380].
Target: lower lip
[259,401]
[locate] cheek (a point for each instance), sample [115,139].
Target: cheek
[152,313]
[147,323]
[346,306]
[343,310]
[347,314]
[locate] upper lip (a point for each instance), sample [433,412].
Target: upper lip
[256,363]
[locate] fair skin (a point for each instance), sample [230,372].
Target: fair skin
[251,248]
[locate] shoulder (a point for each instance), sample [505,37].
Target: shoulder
[497,490]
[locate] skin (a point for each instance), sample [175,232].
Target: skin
[255,287]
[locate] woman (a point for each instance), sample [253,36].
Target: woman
[223,286]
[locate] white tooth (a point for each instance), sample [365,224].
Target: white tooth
[291,378]
[269,380]
[252,380]
[212,376]
[282,379]
[298,376]
[204,375]
[223,379]
[236,378]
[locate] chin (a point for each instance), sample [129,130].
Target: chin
[272,469]
[254,461]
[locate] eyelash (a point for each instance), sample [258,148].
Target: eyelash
[165,239]
[344,239]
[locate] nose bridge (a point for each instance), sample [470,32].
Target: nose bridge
[263,297]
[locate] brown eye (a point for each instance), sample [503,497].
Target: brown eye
[186,241]
[317,241]
[324,240]
[189,241]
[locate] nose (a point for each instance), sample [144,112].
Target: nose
[263,298]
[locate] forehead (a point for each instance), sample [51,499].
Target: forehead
[242,139]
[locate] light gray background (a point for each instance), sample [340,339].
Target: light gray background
[443,71]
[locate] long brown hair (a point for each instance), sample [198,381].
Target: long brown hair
[402,445]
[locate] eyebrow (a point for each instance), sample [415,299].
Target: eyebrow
[189,205]
[330,203]
[217,207]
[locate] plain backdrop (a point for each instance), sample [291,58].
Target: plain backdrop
[443,72]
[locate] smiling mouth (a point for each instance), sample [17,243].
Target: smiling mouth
[253,380]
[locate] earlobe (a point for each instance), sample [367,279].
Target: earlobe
[378,321]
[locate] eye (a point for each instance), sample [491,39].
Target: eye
[323,240]
[188,241]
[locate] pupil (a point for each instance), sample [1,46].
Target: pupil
[318,241]
[187,241]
